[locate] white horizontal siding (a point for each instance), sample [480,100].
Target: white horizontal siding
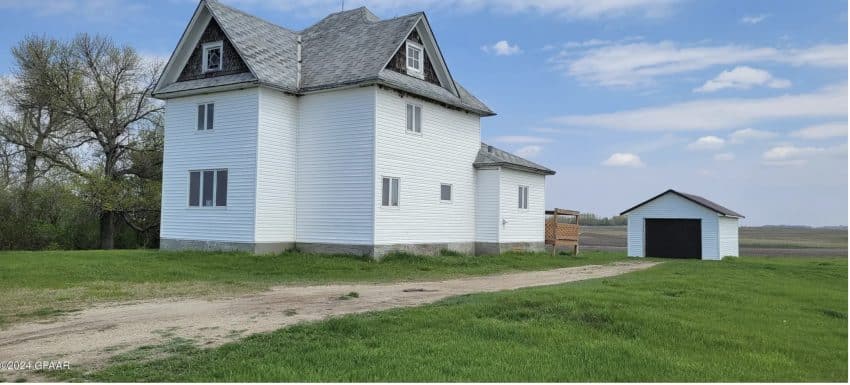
[231,145]
[487,212]
[672,206]
[522,225]
[335,183]
[442,153]
[276,165]
[728,230]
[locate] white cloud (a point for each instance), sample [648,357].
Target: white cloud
[624,64]
[718,114]
[502,48]
[623,159]
[529,151]
[520,139]
[743,77]
[755,19]
[822,131]
[748,134]
[572,9]
[791,155]
[724,156]
[707,143]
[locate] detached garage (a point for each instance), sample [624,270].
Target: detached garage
[679,225]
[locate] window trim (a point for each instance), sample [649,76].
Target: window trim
[451,193]
[522,190]
[200,205]
[206,105]
[390,192]
[421,120]
[420,72]
[210,46]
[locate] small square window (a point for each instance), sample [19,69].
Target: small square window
[212,57]
[446,192]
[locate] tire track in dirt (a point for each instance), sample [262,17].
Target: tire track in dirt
[89,338]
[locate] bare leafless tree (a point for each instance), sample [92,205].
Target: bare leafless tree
[81,106]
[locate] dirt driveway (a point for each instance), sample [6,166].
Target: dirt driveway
[87,339]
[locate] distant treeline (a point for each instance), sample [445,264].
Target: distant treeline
[590,219]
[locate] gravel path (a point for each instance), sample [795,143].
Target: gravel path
[87,339]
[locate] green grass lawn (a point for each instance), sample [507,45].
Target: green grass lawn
[47,283]
[748,319]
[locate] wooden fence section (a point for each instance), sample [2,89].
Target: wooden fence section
[562,234]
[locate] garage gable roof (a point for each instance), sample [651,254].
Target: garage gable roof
[693,198]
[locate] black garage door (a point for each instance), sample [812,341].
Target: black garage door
[673,238]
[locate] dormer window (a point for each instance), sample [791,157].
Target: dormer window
[414,59]
[212,57]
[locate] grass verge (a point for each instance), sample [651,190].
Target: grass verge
[748,319]
[48,283]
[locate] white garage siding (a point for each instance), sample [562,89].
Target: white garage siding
[672,206]
[231,145]
[335,174]
[522,225]
[728,236]
[276,153]
[442,153]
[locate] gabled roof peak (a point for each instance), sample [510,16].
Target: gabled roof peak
[343,49]
[695,199]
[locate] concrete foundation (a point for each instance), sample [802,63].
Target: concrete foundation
[248,247]
[493,248]
[373,251]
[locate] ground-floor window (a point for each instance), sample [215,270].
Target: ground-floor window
[389,191]
[446,192]
[208,188]
[523,197]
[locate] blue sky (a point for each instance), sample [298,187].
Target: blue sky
[742,102]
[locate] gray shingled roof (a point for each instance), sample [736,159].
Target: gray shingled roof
[489,156]
[345,48]
[350,46]
[693,198]
[268,49]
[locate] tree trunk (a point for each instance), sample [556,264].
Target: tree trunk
[107,230]
[31,159]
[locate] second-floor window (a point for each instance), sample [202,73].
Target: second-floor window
[206,116]
[414,118]
[523,197]
[212,59]
[414,58]
[208,188]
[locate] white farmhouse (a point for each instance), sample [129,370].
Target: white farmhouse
[350,136]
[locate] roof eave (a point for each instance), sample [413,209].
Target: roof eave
[515,167]
[205,90]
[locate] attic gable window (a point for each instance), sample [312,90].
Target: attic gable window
[414,59]
[212,59]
